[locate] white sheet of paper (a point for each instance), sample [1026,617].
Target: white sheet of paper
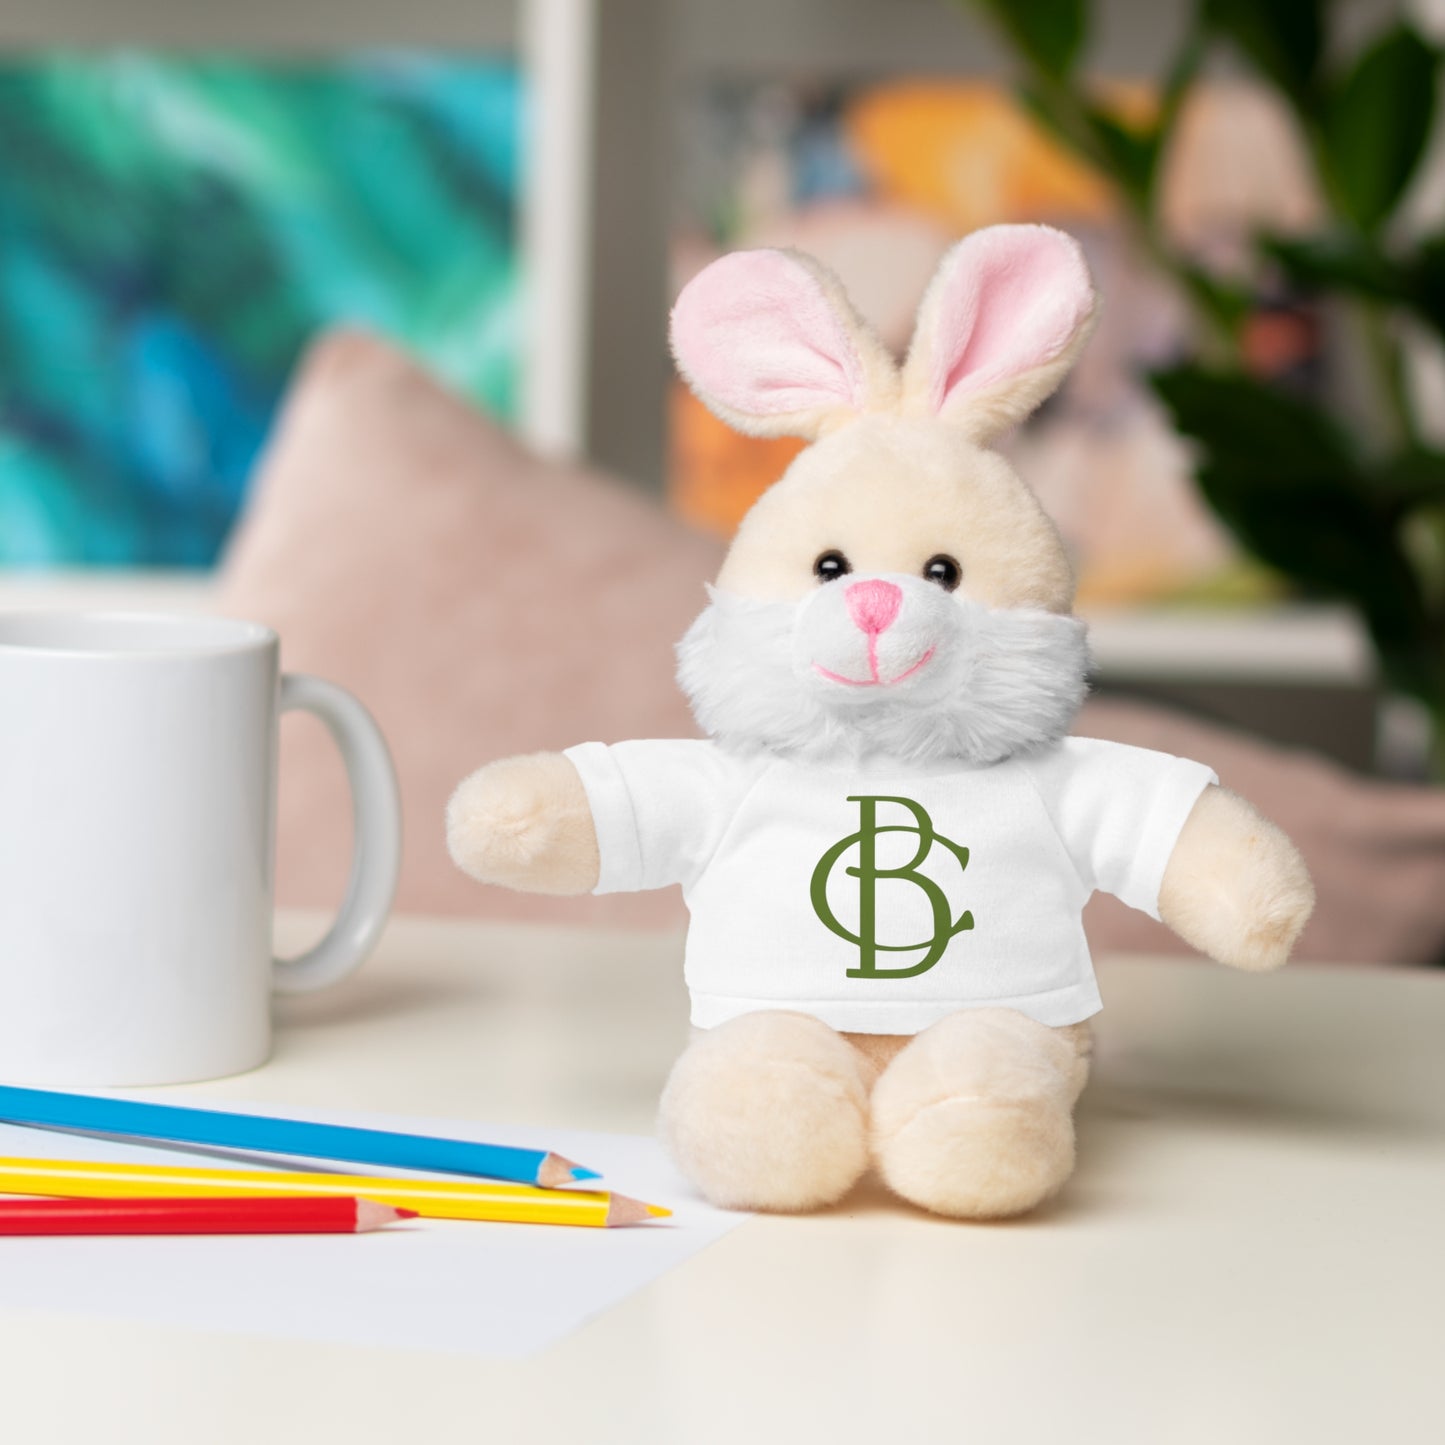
[499,1290]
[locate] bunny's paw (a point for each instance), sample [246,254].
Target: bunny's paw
[524,823]
[1236,887]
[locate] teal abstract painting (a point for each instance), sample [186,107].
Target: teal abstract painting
[174,230]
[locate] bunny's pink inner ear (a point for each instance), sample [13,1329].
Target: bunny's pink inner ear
[1007,303]
[764,338]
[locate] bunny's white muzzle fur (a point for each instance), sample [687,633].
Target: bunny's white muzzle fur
[882,666]
[860,633]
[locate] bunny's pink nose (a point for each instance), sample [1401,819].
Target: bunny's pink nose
[873,605]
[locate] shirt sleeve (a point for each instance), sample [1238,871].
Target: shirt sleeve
[659,807]
[1119,810]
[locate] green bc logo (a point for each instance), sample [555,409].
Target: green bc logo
[867,872]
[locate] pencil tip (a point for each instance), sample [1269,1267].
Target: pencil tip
[371,1215]
[622,1210]
[555,1170]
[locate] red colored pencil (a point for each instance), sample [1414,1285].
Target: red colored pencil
[321,1214]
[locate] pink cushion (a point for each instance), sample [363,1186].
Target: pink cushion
[478,600]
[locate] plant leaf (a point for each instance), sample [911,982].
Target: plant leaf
[1284,38]
[1048,33]
[1130,155]
[1257,428]
[1414,478]
[1286,480]
[1338,261]
[1052,107]
[1375,124]
[1360,267]
[1426,270]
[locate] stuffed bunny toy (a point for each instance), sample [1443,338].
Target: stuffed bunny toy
[886,840]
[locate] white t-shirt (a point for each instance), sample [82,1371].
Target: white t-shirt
[881,898]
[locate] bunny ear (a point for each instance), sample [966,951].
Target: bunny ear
[772,345]
[1002,322]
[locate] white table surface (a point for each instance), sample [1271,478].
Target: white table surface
[1253,1249]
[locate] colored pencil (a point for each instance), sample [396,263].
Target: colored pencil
[430,1198]
[319,1214]
[257,1134]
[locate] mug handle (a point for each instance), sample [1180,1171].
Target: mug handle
[376,856]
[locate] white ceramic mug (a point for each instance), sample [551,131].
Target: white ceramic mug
[137,828]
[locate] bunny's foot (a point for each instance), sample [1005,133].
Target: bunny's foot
[769,1111]
[974,1117]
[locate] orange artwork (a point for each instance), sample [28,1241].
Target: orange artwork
[717,473]
[968,155]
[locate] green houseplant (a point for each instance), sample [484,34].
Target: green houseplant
[1352,509]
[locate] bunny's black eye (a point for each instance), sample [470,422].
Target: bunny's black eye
[943,570]
[831,565]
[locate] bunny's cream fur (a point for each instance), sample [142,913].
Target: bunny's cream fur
[972,1115]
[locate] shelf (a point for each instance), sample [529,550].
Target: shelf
[1285,646]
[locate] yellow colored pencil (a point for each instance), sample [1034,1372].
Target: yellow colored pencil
[430,1198]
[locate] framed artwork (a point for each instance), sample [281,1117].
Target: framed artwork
[176,228]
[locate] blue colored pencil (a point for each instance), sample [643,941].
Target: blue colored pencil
[256,1134]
